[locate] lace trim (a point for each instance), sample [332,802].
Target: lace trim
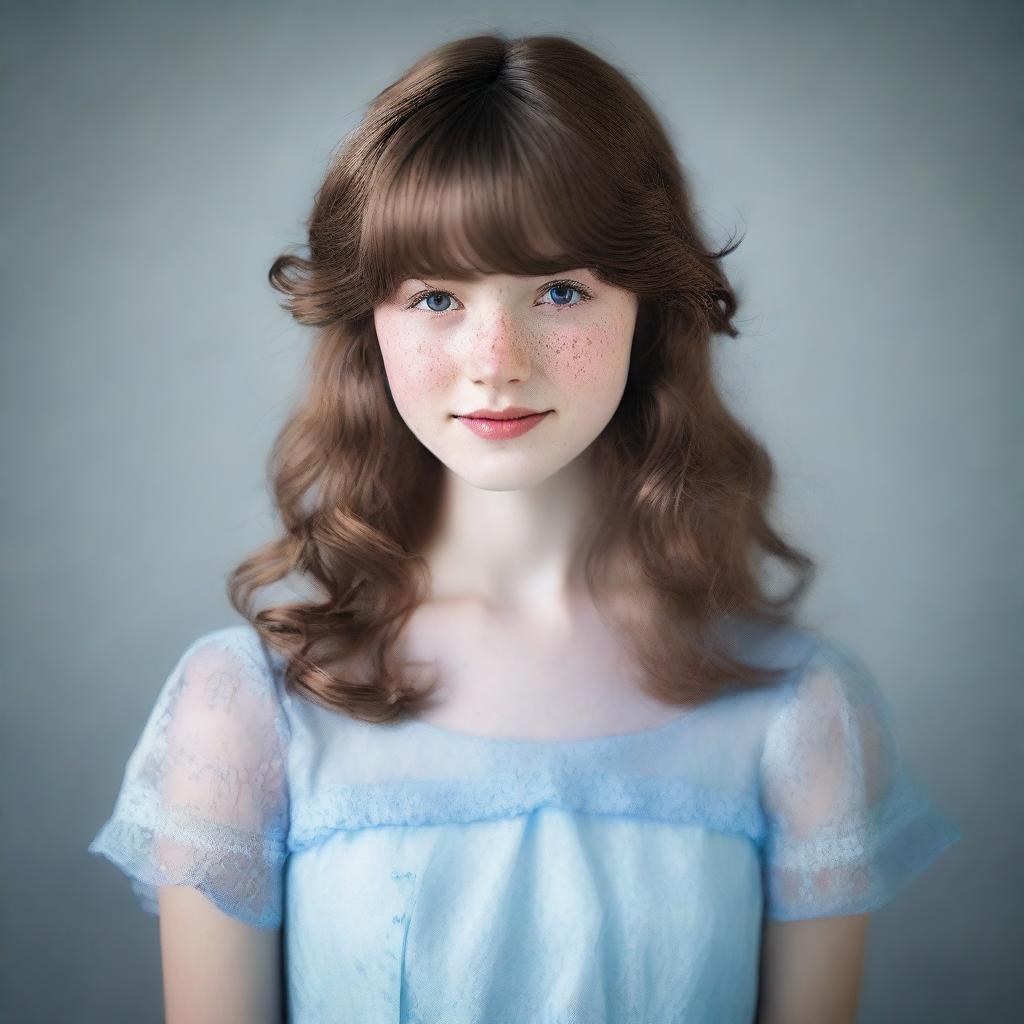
[240,873]
[510,794]
[184,825]
[859,871]
[854,840]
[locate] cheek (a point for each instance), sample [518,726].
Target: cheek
[592,359]
[411,364]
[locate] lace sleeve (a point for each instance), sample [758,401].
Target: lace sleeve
[204,799]
[847,826]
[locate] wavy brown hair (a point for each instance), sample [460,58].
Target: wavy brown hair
[519,156]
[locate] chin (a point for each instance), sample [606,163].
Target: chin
[528,473]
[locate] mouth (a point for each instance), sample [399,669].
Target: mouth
[504,427]
[500,419]
[511,413]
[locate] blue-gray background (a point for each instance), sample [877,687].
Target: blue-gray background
[158,156]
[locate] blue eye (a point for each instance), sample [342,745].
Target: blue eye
[431,295]
[556,286]
[564,286]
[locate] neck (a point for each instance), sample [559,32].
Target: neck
[513,552]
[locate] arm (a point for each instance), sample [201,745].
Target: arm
[200,826]
[216,969]
[811,970]
[224,808]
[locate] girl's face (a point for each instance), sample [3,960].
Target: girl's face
[558,345]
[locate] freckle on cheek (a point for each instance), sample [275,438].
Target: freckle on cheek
[583,357]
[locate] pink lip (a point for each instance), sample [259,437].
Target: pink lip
[499,430]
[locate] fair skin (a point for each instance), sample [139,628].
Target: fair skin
[216,969]
[499,341]
[501,561]
[811,970]
[558,343]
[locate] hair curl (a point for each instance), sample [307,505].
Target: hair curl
[521,156]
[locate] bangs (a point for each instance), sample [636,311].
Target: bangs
[476,194]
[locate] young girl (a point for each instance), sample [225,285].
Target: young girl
[630,788]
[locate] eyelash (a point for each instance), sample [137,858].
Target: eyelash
[585,295]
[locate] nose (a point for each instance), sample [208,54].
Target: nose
[498,350]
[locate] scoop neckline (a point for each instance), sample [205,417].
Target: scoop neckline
[537,742]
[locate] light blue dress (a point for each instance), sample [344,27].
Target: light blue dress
[425,875]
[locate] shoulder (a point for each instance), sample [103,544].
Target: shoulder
[240,640]
[830,684]
[229,654]
[813,665]
[846,824]
[205,800]
[825,711]
[227,681]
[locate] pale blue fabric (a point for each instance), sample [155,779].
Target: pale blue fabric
[425,875]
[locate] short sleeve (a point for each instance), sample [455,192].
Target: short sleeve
[847,826]
[204,799]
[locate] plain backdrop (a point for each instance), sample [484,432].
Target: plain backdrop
[158,156]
